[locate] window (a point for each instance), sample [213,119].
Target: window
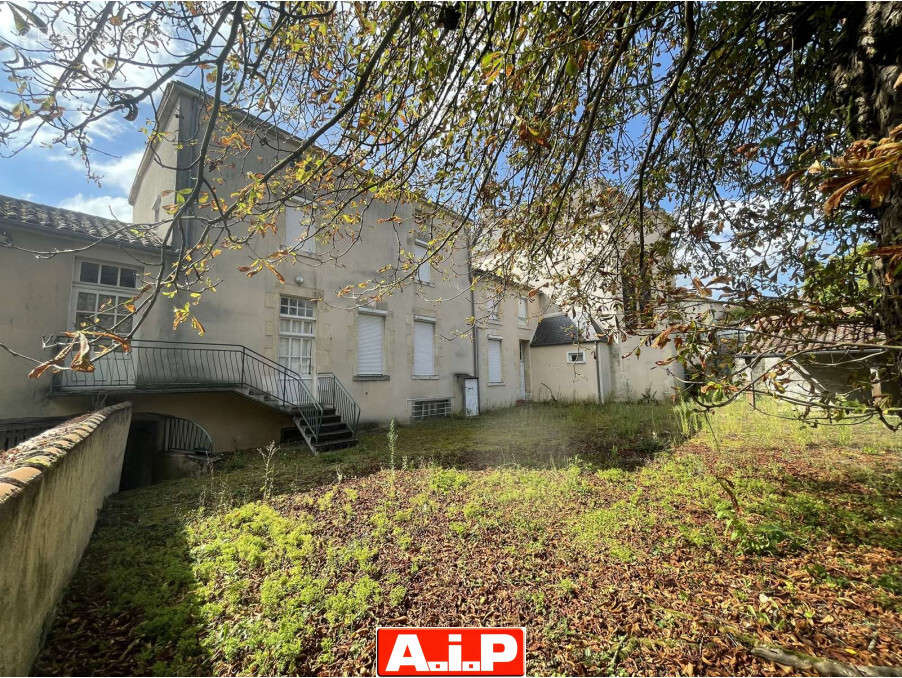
[522,311]
[370,333]
[423,348]
[494,361]
[424,272]
[299,228]
[576,357]
[433,407]
[297,318]
[100,295]
[494,309]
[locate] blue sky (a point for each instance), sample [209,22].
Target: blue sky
[54,177]
[48,173]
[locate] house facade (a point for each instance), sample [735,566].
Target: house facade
[275,357]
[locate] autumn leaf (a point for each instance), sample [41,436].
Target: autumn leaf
[700,288]
[528,135]
[662,339]
[54,362]
[81,361]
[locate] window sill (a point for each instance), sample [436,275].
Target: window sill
[312,256]
[426,283]
[370,377]
[425,377]
[495,383]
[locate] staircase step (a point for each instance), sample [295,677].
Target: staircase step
[336,444]
[326,423]
[335,434]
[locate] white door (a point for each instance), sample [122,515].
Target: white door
[471,397]
[297,332]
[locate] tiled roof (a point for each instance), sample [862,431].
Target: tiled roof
[555,330]
[55,219]
[773,341]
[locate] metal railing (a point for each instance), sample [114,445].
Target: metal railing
[183,435]
[196,366]
[332,393]
[15,431]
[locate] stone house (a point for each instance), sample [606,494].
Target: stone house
[276,359]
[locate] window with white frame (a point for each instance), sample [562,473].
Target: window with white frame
[370,341]
[100,294]
[297,325]
[495,374]
[423,347]
[300,229]
[522,310]
[576,357]
[421,251]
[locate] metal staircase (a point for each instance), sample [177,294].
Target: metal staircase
[327,420]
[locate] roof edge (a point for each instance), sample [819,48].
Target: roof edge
[164,111]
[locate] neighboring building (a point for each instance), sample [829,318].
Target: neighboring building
[275,358]
[831,364]
[566,365]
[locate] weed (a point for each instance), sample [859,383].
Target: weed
[448,480]
[567,586]
[396,595]
[267,453]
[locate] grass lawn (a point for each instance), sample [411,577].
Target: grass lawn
[606,531]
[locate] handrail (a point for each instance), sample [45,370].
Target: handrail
[329,389]
[184,435]
[165,365]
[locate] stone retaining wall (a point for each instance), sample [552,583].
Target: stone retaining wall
[51,488]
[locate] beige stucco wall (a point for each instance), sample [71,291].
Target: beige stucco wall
[511,331]
[633,377]
[48,507]
[155,175]
[234,422]
[37,297]
[554,376]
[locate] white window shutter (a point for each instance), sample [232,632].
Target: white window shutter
[423,349]
[298,224]
[370,330]
[494,361]
[424,273]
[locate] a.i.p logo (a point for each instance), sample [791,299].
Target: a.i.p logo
[449,651]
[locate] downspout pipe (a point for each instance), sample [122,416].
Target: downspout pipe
[473,328]
[598,374]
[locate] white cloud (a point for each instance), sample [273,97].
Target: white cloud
[107,206]
[116,173]
[121,171]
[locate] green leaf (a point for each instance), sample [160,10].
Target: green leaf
[572,68]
